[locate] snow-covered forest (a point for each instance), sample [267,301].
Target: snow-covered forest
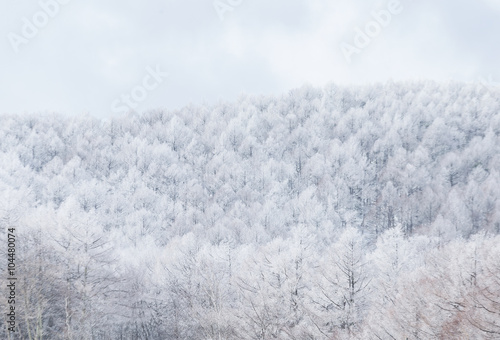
[326,213]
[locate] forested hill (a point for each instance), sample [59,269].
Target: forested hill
[293,217]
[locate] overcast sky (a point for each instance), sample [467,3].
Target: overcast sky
[88,56]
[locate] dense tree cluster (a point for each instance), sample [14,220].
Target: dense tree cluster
[334,213]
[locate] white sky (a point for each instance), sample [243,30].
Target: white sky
[91,52]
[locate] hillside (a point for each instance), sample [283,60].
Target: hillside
[358,213]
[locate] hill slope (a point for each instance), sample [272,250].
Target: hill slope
[269,217]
